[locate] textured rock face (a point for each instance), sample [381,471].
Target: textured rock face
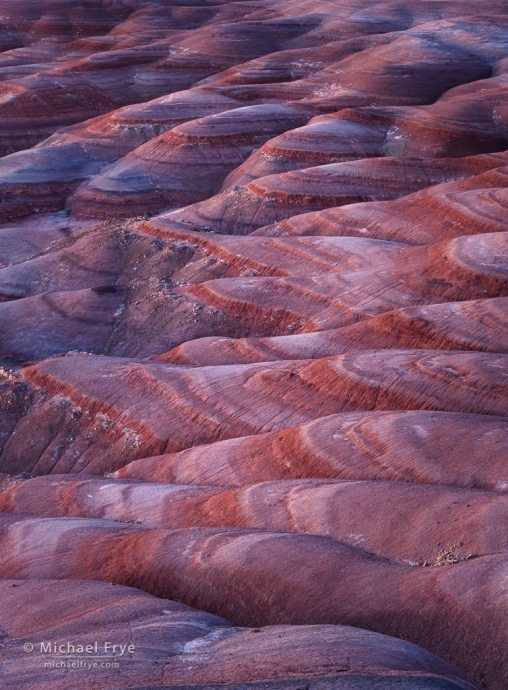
[164,641]
[253,344]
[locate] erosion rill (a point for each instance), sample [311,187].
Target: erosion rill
[253,344]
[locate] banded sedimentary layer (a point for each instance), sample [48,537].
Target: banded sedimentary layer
[253,344]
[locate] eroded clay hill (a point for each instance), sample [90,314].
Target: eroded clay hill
[253,344]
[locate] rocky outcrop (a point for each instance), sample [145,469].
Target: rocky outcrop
[370,515]
[467,268]
[267,200]
[475,325]
[458,124]
[253,344]
[160,640]
[225,573]
[168,408]
[423,447]
[184,165]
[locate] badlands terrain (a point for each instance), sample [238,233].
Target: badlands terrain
[254,344]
